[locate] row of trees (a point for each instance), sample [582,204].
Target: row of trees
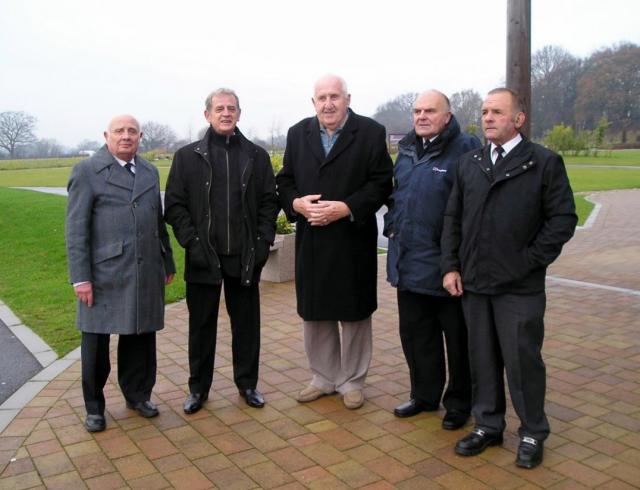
[566,90]
[18,139]
[579,92]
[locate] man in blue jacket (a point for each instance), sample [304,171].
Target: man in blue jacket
[424,173]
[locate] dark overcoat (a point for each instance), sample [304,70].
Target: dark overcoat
[116,239]
[336,265]
[505,224]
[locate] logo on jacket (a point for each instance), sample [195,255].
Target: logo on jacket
[441,170]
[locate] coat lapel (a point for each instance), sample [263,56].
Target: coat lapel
[116,175]
[145,178]
[347,136]
[313,139]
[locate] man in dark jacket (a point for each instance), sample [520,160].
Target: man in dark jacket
[120,259]
[336,174]
[510,212]
[424,173]
[221,203]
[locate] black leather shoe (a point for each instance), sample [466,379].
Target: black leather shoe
[146,409]
[411,408]
[194,402]
[454,420]
[530,452]
[253,397]
[95,423]
[476,442]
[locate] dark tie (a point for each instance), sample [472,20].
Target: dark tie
[129,167]
[500,156]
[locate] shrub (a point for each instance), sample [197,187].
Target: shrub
[283,227]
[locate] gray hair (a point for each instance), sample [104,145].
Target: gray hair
[220,91]
[516,99]
[343,84]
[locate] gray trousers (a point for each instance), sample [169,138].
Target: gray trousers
[338,364]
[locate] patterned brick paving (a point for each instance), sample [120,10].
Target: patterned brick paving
[592,351]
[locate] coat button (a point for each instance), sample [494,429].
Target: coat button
[507,175]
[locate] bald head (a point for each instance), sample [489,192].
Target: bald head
[123,136]
[431,113]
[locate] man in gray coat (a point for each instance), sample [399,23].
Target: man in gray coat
[119,259]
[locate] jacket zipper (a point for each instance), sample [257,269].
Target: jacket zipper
[226,154]
[209,206]
[242,198]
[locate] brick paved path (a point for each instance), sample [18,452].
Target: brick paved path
[592,351]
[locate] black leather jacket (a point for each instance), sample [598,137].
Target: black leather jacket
[188,209]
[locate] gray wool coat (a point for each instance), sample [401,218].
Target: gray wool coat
[116,238]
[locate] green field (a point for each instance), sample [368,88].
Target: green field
[33,271]
[614,157]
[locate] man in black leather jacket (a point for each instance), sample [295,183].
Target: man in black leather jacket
[221,202]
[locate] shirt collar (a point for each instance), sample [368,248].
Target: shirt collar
[123,162]
[508,146]
[338,129]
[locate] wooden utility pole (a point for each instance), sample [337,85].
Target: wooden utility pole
[519,53]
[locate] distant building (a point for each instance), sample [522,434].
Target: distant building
[393,140]
[86,153]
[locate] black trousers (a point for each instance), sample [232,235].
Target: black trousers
[136,368]
[243,307]
[423,321]
[506,332]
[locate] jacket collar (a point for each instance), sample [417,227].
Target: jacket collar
[202,146]
[409,143]
[118,176]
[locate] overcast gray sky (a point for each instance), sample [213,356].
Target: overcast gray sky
[75,63]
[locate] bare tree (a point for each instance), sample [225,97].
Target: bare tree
[467,107]
[554,76]
[16,129]
[278,140]
[87,145]
[44,148]
[395,115]
[156,136]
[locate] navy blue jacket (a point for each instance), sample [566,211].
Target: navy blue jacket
[414,221]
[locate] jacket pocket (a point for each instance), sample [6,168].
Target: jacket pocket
[107,252]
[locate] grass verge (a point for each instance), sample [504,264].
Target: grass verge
[33,270]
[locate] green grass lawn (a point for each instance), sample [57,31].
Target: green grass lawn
[583,209]
[33,271]
[615,157]
[51,177]
[38,163]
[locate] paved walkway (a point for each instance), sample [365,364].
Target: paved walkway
[592,350]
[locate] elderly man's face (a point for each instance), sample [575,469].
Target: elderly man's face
[430,115]
[331,103]
[224,114]
[123,137]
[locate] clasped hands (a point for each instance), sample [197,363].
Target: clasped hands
[320,213]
